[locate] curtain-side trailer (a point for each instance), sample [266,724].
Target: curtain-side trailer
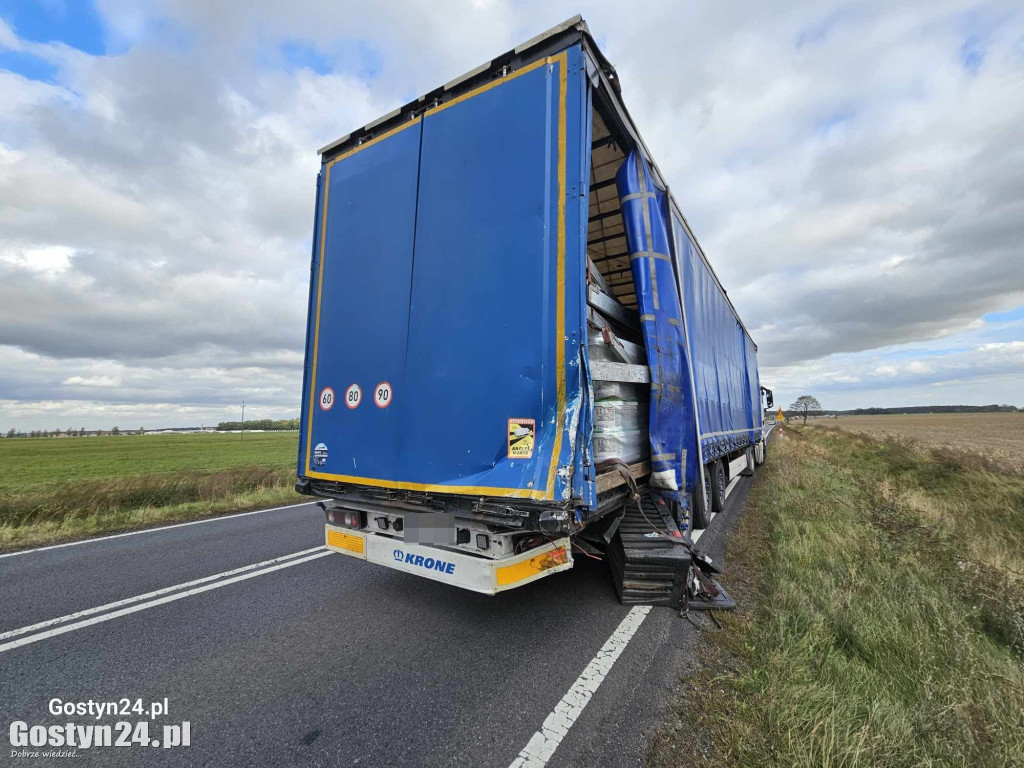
[516,348]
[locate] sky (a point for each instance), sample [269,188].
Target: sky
[855,173]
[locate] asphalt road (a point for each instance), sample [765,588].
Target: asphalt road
[329,660]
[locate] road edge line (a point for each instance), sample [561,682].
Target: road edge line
[214,519]
[543,743]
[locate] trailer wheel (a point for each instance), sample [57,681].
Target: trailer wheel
[718,483]
[701,504]
[759,453]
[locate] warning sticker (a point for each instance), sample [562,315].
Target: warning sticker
[521,434]
[320,454]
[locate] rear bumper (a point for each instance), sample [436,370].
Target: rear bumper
[473,573]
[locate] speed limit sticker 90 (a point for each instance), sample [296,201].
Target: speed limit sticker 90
[382,394]
[353,396]
[326,399]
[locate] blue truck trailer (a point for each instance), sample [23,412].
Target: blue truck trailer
[517,350]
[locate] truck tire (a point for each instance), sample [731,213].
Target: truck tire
[718,483]
[759,453]
[701,507]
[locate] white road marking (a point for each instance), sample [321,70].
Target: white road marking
[696,534]
[159,601]
[728,489]
[544,742]
[148,595]
[153,530]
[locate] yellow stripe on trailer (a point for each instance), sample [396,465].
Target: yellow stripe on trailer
[349,542]
[510,574]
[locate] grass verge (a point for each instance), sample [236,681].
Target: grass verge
[882,619]
[44,532]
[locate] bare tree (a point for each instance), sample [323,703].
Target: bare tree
[804,405]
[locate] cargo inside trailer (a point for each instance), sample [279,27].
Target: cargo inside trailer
[641,533]
[621,406]
[719,395]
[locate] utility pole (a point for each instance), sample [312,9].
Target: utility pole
[242,437]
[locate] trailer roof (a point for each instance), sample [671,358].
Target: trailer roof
[602,76]
[438,94]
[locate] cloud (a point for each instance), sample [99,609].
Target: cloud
[902,220]
[95,381]
[978,371]
[856,177]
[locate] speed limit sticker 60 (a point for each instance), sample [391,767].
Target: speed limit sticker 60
[382,394]
[353,395]
[326,398]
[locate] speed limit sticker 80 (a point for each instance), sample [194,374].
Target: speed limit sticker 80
[353,395]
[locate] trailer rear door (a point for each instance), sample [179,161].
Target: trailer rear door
[360,311]
[442,295]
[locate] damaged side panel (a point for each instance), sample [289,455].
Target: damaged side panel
[584,476]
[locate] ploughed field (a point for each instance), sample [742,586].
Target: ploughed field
[54,489]
[996,436]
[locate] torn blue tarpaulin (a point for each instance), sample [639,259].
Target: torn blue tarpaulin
[647,235]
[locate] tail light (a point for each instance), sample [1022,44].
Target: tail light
[354,519]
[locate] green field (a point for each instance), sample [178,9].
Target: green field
[56,489]
[30,463]
[881,619]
